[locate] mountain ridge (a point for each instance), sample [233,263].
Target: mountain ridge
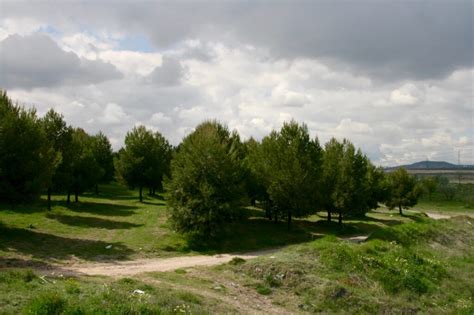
[432,165]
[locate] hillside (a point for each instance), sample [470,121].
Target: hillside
[432,165]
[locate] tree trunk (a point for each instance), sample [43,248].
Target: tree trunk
[289,220]
[96,189]
[340,218]
[400,209]
[76,196]
[49,199]
[329,216]
[150,191]
[68,197]
[141,191]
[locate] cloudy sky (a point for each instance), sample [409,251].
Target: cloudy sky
[395,77]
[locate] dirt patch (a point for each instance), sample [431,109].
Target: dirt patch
[438,216]
[128,268]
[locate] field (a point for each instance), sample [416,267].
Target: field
[408,264]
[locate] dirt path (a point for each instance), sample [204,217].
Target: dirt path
[438,216]
[128,268]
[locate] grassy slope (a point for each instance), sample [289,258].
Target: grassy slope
[82,231]
[423,266]
[22,291]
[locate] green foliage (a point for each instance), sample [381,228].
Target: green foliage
[206,186]
[60,136]
[403,190]
[351,184]
[145,159]
[27,159]
[396,267]
[290,163]
[102,152]
[254,167]
[263,290]
[447,189]
[86,171]
[48,303]
[430,185]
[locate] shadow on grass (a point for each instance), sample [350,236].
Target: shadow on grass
[254,232]
[27,208]
[47,246]
[91,222]
[23,263]
[107,209]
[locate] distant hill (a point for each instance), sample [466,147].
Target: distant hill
[433,165]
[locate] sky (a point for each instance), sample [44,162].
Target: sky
[394,77]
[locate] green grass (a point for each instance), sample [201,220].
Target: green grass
[83,230]
[409,264]
[115,226]
[463,201]
[21,291]
[421,266]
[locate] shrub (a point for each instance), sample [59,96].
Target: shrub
[49,303]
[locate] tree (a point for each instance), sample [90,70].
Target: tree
[292,168]
[27,159]
[332,160]
[351,184]
[60,136]
[206,186]
[446,188]
[255,182]
[430,184]
[404,191]
[160,157]
[103,155]
[144,160]
[86,171]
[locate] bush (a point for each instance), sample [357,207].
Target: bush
[49,303]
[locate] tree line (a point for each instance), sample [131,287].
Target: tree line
[207,178]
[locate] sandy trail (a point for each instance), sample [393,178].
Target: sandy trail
[128,268]
[438,216]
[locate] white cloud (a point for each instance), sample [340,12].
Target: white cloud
[245,85]
[113,114]
[347,127]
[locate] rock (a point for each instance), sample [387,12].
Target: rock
[108,247]
[137,291]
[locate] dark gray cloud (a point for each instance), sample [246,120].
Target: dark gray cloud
[37,61]
[389,40]
[169,73]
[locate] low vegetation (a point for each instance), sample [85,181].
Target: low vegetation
[23,291]
[421,266]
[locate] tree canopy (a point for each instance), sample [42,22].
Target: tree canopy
[403,190]
[27,160]
[206,186]
[144,160]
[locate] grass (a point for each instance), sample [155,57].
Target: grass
[409,264]
[463,201]
[22,291]
[421,266]
[115,226]
[83,230]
